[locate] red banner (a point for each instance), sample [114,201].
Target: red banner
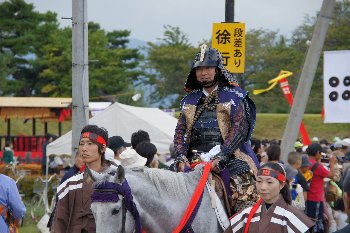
[289,96]
[64,113]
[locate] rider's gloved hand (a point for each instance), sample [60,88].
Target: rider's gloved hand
[214,165]
[182,165]
[206,157]
[181,162]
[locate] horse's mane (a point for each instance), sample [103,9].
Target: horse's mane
[167,183]
[106,176]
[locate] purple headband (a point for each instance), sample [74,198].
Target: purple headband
[108,192]
[104,194]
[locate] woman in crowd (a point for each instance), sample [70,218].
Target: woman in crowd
[273,212]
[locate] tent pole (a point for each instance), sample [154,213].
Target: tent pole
[33,126]
[45,127]
[59,129]
[9,128]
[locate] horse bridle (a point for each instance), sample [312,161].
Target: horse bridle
[124,190]
[124,209]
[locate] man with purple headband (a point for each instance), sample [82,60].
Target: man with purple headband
[218,117]
[73,213]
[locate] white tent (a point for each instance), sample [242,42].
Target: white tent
[123,120]
[97,107]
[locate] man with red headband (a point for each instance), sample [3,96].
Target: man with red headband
[73,212]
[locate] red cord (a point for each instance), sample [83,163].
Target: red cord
[195,198]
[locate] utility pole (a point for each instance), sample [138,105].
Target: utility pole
[306,78]
[229,11]
[80,75]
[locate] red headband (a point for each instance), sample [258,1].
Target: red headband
[94,137]
[275,174]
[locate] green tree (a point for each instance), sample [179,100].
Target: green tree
[23,32]
[338,36]
[258,45]
[5,71]
[112,66]
[266,54]
[117,67]
[55,65]
[167,63]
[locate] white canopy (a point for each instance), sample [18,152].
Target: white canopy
[122,120]
[97,107]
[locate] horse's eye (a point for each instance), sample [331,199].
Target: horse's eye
[115,211]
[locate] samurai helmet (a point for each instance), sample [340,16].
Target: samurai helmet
[208,57]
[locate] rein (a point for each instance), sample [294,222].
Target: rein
[196,197]
[108,192]
[123,216]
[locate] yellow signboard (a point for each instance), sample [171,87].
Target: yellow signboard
[229,39]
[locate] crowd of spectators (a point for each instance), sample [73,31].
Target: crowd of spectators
[316,174]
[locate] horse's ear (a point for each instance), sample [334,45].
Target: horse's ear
[121,174]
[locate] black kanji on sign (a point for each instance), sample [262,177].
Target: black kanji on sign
[223,37]
[237,42]
[238,32]
[225,57]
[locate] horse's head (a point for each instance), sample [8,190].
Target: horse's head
[111,201]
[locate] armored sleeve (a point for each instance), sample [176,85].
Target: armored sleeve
[238,133]
[180,144]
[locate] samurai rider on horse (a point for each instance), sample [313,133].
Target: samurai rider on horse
[217,118]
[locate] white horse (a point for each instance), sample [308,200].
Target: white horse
[161,198]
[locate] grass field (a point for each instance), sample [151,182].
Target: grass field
[29,226]
[19,127]
[272,126]
[268,125]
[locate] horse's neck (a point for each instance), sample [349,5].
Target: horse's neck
[161,196]
[163,183]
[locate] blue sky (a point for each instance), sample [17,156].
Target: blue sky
[145,18]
